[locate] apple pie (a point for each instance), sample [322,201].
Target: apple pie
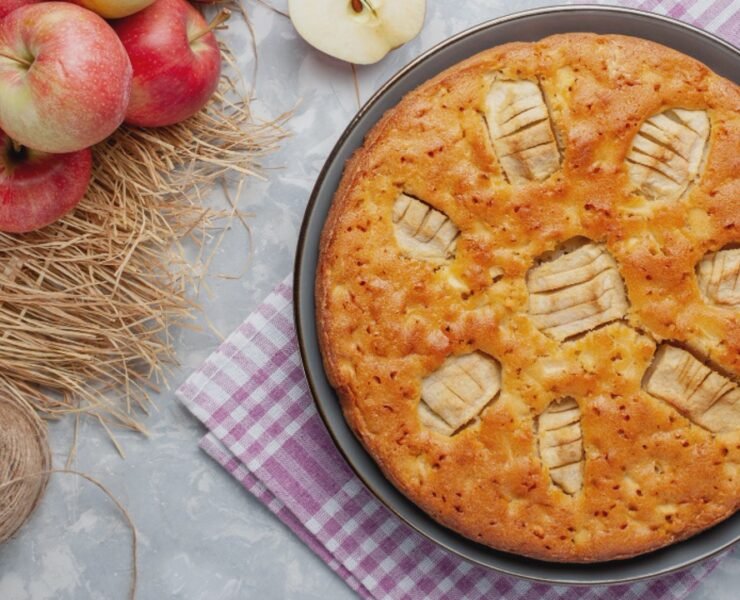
[528,297]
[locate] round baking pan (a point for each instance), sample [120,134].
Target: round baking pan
[532,25]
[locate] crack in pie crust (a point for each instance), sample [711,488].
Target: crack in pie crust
[528,297]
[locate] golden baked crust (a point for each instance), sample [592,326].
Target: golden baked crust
[650,449]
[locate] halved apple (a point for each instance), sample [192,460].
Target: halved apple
[358,31]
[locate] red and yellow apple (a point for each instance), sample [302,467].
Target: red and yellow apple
[65,78]
[114,9]
[176,62]
[37,188]
[8,6]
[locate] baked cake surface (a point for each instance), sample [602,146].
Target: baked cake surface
[528,297]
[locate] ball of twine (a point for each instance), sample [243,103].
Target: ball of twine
[25,460]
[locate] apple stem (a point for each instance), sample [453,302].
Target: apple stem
[218,20]
[17,146]
[25,63]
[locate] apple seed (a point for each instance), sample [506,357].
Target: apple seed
[359,5]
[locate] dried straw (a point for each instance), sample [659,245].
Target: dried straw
[88,305]
[273,9]
[24,452]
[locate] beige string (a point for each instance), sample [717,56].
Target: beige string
[25,466]
[24,452]
[44,475]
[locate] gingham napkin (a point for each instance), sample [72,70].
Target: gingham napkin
[264,429]
[721,17]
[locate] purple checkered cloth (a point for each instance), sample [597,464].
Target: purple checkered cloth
[264,429]
[721,17]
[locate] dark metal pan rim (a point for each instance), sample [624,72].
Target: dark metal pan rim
[303,320]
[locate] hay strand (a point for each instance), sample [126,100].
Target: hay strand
[273,8]
[356,83]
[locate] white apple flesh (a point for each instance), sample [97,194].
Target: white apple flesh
[37,188]
[65,78]
[358,31]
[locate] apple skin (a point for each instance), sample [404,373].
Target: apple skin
[65,78]
[174,77]
[114,9]
[8,6]
[37,188]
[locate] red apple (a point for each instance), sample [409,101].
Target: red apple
[176,61]
[37,188]
[65,78]
[8,6]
